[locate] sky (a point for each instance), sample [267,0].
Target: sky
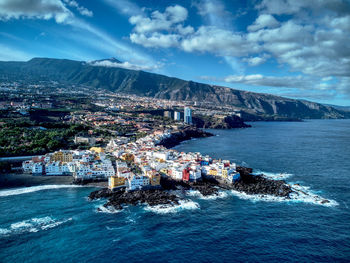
[290,48]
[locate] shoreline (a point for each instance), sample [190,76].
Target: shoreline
[17,180]
[22,180]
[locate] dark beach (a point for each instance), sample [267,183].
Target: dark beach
[16,180]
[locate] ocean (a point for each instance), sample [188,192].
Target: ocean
[59,224]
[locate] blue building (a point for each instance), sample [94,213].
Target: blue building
[188,115]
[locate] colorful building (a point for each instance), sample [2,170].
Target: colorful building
[62,156]
[115,182]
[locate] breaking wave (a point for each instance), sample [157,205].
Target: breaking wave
[26,190]
[32,225]
[166,209]
[302,194]
[108,210]
[196,193]
[274,176]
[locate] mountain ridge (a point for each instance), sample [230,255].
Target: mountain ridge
[148,84]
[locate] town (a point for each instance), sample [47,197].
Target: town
[136,165]
[44,117]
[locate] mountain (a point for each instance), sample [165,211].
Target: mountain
[342,108]
[115,79]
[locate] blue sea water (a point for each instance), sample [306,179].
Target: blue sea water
[61,225]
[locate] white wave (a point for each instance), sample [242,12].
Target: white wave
[26,190]
[196,193]
[108,210]
[32,225]
[274,176]
[302,195]
[165,209]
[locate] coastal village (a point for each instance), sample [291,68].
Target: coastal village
[134,165]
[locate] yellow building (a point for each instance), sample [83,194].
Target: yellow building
[213,172]
[97,149]
[115,182]
[61,156]
[127,157]
[164,171]
[155,179]
[224,173]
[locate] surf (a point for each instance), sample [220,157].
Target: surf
[31,189]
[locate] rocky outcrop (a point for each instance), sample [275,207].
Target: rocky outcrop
[117,199]
[204,187]
[183,135]
[211,122]
[258,184]
[248,183]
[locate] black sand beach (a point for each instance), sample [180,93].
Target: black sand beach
[14,180]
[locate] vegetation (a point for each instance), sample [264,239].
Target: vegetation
[22,138]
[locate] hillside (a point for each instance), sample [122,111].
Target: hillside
[159,86]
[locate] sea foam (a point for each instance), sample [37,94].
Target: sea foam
[32,225]
[196,193]
[108,210]
[302,194]
[26,190]
[166,209]
[274,176]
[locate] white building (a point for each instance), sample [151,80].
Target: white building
[27,166]
[177,116]
[53,168]
[164,155]
[176,173]
[37,169]
[83,172]
[138,182]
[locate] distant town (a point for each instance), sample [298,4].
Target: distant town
[44,117]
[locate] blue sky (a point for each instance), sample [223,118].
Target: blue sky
[297,49]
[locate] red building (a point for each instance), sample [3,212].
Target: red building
[186,174]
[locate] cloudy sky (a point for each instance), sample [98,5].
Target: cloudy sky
[298,49]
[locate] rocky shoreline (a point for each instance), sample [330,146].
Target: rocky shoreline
[186,134]
[249,184]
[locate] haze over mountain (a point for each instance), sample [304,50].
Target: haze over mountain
[113,75]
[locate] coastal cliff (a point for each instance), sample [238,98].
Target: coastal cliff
[228,122]
[183,135]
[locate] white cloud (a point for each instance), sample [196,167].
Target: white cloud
[215,13]
[103,41]
[125,7]
[218,41]
[184,30]
[176,13]
[159,21]
[126,65]
[301,83]
[155,40]
[270,81]
[82,10]
[263,21]
[280,7]
[34,9]
[255,61]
